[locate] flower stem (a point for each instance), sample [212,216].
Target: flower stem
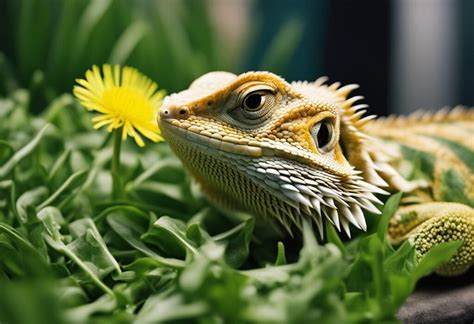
[116,184]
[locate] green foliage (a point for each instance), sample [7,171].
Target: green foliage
[50,43]
[161,253]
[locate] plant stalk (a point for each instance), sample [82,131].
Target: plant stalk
[116,183]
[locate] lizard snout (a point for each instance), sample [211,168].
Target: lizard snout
[172,111]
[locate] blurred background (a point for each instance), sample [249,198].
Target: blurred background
[405,54]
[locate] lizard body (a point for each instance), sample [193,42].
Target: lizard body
[304,150]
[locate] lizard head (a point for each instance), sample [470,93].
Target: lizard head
[287,151]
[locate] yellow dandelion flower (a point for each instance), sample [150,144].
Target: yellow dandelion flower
[125,98]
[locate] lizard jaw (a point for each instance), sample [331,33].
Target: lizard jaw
[308,192]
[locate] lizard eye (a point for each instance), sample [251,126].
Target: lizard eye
[254,101]
[323,134]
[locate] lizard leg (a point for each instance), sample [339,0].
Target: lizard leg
[432,223]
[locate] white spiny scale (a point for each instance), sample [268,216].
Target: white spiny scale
[367,205]
[320,81]
[301,199]
[350,101]
[304,189]
[357,115]
[319,224]
[334,217]
[273,172]
[345,90]
[370,196]
[292,198]
[374,188]
[334,86]
[306,209]
[289,187]
[358,107]
[340,200]
[363,121]
[285,179]
[350,217]
[345,226]
[359,216]
[310,182]
[316,204]
[327,192]
[261,170]
[330,202]
[375,179]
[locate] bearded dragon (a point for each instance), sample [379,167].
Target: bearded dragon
[299,151]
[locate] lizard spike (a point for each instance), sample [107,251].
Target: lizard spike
[319,224]
[334,217]
[289,187]
[350,101]
[334,86]
[371,197]
[316,205]
[345,226]
[359,217]
[320,81]
[357,115]
[330,202]
[347,213]
[304,189]
[358,107]
[375,181]
[374,189]
[345,90]
[369,206]
[306,209]
[363,121]
[297,197]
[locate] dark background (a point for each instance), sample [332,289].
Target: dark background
[356,42]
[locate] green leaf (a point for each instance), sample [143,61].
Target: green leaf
[21,255]
[7,167]
[74,181]
[402,260]
[52,220]
[177,230]
[237,245]
[281,258]
[59,164]
[90,246]
[388,211]
[436,256]
[130,231]
[29,199]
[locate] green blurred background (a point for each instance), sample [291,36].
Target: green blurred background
[405,54]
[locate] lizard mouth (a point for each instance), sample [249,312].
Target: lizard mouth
[213,141]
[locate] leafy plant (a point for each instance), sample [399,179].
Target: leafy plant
[161,253]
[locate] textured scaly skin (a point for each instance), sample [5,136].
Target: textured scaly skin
[300,151]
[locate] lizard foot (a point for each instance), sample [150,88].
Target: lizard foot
[432,223]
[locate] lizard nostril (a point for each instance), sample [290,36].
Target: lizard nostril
[174,112]
[183,111]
